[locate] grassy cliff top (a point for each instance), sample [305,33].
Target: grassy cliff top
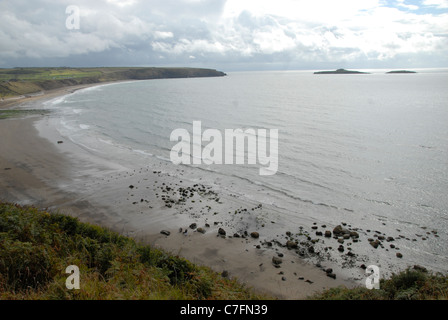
[23,81]
[36,247]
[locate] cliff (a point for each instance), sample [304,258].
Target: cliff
[24,81]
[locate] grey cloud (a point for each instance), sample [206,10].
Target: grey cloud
[172,32]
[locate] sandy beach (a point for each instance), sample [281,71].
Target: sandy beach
[41,168]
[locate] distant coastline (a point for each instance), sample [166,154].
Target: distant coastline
[24,82]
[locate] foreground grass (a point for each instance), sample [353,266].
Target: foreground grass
[37,246]
[410,284]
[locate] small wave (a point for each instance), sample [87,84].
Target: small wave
[143,152]
[84,126]
[56,101]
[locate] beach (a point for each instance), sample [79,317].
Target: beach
[41,168]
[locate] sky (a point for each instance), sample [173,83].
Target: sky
[228,35]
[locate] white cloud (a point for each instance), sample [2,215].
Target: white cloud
[162,34]
[169,30]
[441,4]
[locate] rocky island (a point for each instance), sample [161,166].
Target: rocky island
[340,71]
[401,71]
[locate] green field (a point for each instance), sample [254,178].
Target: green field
[33,74]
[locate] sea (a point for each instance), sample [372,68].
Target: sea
[370,150]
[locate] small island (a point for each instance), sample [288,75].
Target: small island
[401,71]
[341,71]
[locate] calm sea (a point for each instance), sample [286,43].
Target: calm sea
[370,149]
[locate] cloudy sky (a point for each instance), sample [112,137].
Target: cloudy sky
[227,35]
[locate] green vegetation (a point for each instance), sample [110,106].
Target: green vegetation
[13,113]
[411,284]
[37,246]
[23,81]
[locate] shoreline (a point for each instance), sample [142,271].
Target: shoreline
[37,170]
[20,101]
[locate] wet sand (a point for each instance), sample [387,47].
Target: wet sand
[37,170]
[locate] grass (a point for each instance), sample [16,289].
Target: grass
[36,247]
[23,81]
[14,113]
[29,74]
[410,284]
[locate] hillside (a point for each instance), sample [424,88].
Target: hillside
[36,247]
[27,81]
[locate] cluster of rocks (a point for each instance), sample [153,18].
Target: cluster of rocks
[317,243]
[181,195]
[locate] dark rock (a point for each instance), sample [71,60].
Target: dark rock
[399,255]
[420,268]
[165,232]
[255,235]
[328,234]
[291,244]
[375,243]
[276,260]
[341,248]
[131,187]
[221,232]
[318,233]
[225,274]
[354,234]
[339,230]
[201,230]
[331,275]
[193,226]
[329,270]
